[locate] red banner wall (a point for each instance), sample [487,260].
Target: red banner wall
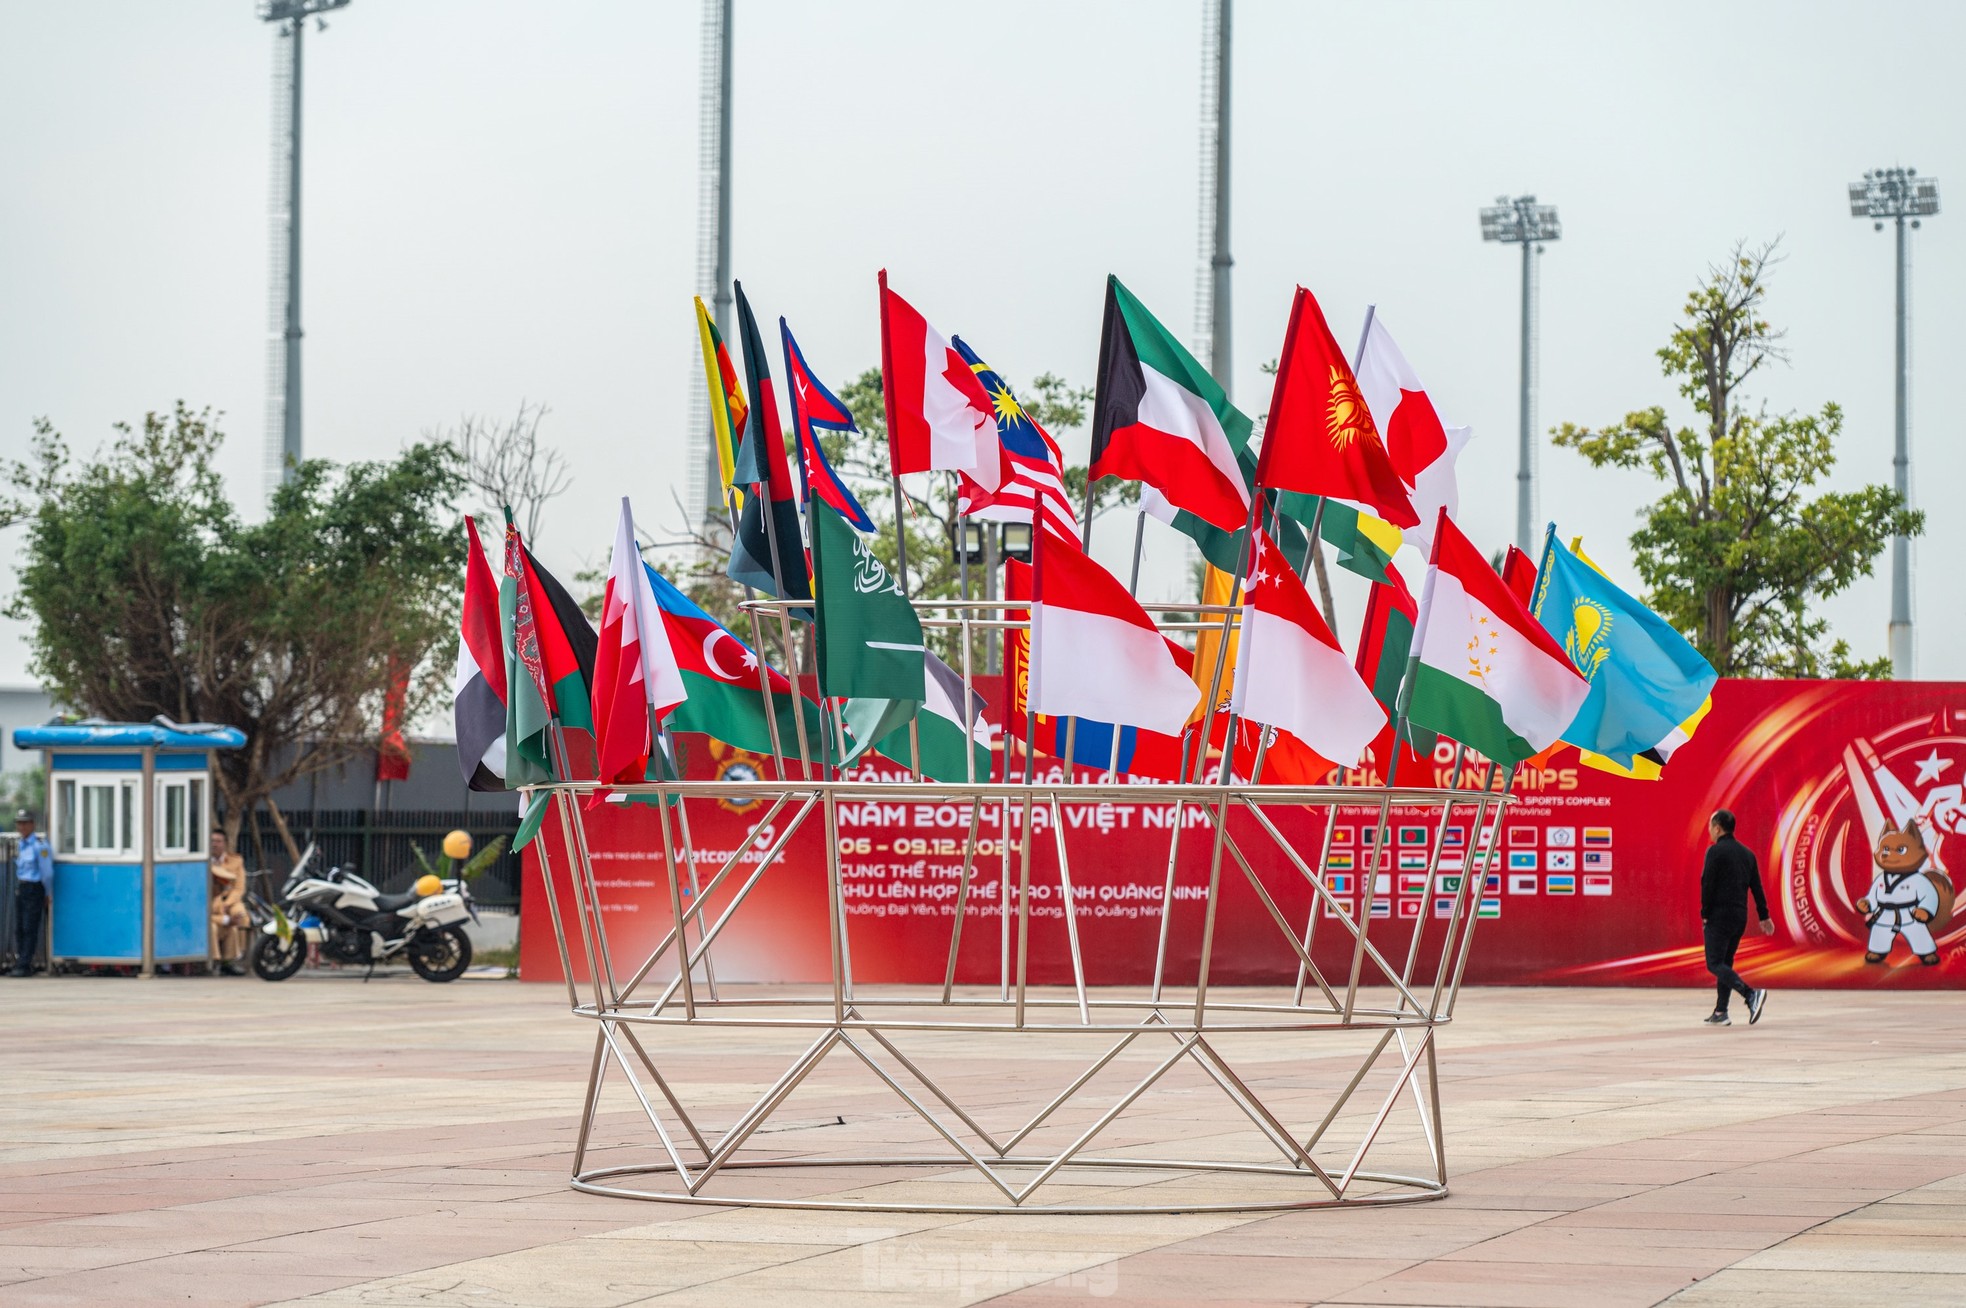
[1596,879]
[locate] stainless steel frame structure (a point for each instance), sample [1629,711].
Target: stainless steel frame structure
[1391,1000]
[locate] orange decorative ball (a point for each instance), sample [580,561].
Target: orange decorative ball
[457,845]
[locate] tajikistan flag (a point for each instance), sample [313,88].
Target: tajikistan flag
[1487,674]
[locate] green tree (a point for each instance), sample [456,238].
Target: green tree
[150,596]
[1740,550]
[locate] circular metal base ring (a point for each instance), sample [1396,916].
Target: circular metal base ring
[1403,1189]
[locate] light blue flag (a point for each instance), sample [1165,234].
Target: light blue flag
[1646,678]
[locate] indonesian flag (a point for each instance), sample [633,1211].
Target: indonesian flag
[1159,418]
[636,680]
[1321,439]
[1291,672]
[1489,676]
[1096,654]
[938,414]
[478,691]
[1423,450]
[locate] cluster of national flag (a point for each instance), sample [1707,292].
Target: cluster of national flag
[1353,452]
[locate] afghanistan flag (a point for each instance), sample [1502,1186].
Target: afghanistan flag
[1159,418]
[725,680]
[549,665]
[870,641]
[768,554]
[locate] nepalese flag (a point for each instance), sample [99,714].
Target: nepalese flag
[636,681]
[938,414]
[815,406]
[1127,750]
[724,680]
[1159,418]
[478,692]
[768,553]
[1032,480]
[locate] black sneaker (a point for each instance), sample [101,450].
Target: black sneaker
[1755,1002]
[1718,1019]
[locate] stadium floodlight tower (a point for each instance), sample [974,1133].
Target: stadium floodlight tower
[1901,195]
[283,448]
[1523,222]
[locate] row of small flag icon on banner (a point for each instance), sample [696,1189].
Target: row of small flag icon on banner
[1457,837]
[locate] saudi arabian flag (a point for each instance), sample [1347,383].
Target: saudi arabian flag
[954,742]
[871,652]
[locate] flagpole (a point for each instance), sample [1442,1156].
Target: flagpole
[900,531]
[689,859]
[757,642]
[767,510]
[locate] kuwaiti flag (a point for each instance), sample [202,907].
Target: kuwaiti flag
[815,406]
[1320,438]
[1423,449]
[478,692]
[938,414]
[1487,674]
[636,680]
[1159,418]
[1096,654]
[1291,673]
[949,730]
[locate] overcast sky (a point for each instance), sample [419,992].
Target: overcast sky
[501,204]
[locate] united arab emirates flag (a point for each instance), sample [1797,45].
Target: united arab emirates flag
[1485,671]
[870,641]
[725,680]
[949,730]
[1159,418]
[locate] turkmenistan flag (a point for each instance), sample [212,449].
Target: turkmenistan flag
[549,664]
[870,641]
[726,681]
[949,730]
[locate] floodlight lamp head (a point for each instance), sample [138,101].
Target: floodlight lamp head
[1520,221]
[1893,193]
[281,11]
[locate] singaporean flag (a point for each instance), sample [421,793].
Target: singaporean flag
[938,414]
[1290,671]
[1096,654]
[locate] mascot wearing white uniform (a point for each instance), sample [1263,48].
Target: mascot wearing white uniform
[1906,897]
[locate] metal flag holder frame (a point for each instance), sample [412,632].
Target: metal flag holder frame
[1052,1147]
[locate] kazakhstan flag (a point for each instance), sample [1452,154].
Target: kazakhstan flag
[1646,679]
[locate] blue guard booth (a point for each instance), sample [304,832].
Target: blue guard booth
[129,805]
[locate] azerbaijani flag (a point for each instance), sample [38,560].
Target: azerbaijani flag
[1486,673]
[1159,418]
[724,680]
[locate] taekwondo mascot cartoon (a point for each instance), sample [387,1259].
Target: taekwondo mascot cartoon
[1906,898]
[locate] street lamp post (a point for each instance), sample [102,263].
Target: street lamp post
[1523,222]
[1899,194]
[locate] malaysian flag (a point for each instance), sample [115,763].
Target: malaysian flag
[1033,486]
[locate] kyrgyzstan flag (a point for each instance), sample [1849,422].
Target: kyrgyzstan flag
[1291,672]
[1488,674]
[1320,438]
[1423,449]
[636,680]
[1159,418]
[815,406]
[478,691]
[1096,654]
[938,414]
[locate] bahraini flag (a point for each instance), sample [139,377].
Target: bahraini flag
[636,680]
[1487,673]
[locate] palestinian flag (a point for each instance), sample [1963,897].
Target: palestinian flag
[1159,418]
[727,407]
[949,730]
[1486,672]
[478,691]
[768,554]
[725,680]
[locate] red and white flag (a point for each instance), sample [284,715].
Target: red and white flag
[636,680]
[478,690]
[1290,670]
[1096,654]
[1423,449]
[938,414]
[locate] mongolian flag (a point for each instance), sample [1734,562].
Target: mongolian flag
[727,407]
[768,554]
[815,406]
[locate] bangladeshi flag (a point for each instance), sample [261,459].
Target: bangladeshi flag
[725,681]
[1159,418]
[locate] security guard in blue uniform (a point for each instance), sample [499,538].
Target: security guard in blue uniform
[34,868]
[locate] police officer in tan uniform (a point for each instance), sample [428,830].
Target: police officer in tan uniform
[229,917]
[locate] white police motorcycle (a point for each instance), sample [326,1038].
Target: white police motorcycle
[353,922]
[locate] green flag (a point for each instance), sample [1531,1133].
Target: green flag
[870,641]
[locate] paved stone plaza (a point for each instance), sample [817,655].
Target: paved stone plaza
[325,1141]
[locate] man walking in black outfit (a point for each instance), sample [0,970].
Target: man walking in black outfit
[1730,876]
